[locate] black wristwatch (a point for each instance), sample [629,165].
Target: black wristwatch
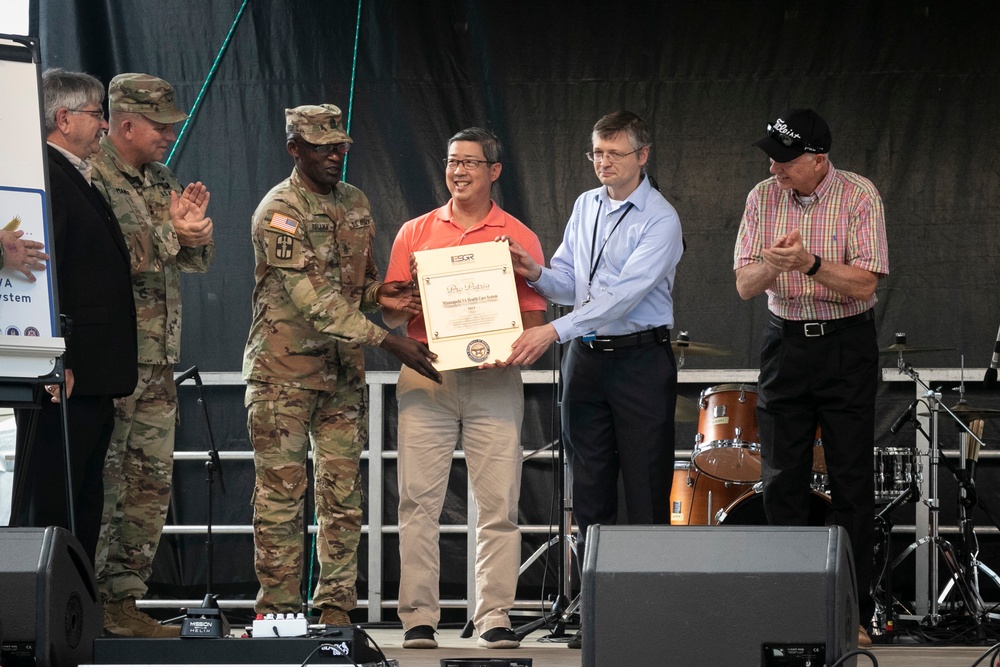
[815,266]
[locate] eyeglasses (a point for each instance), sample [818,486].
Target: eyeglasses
[96,113]
[326,150]
[470,165]
[789,141]
[610,156]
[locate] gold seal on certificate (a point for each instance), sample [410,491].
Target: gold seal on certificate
[470,305]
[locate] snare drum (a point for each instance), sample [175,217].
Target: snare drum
[748,510]
[694,497]
[896,469]
[727,446]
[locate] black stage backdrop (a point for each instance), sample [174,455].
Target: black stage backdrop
[906,85]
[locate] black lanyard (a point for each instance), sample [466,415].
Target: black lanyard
[593,242]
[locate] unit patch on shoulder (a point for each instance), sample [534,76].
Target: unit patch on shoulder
[283,247]
[283,223]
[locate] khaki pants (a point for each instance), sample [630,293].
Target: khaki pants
[484,409]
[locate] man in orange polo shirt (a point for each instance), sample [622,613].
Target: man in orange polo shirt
[482,405]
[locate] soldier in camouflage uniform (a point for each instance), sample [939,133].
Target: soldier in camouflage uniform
[304,364]
[167,232]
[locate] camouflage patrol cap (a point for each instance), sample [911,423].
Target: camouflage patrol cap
[145,94]
[317,124]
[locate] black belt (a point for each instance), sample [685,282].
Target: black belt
[819,328]
[660,334]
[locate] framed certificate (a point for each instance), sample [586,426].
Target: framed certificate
[470,305]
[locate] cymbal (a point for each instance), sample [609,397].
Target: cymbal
[906,348]
[686,411]
[968,413]
[689,347]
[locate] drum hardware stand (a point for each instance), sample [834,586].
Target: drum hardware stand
[969,499]
[969,563]
[941,548]
[883,542]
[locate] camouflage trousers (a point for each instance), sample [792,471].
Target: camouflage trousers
[138,471]
[281,421]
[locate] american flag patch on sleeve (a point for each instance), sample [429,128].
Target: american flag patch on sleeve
[284,224]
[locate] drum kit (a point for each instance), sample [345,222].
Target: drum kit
[960,595]
[721,484]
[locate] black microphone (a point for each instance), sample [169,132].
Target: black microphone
[903,418]
[990,379]
[187,375]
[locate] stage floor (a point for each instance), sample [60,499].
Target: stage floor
[547,653]
[451,645]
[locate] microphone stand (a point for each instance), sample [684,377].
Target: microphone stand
[210,609]
[561,610]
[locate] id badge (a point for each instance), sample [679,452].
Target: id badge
[589,337]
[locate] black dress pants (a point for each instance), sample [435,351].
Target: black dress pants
[831,381]
[618,416]
[39,478]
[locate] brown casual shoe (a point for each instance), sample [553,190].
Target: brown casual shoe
[335,617]
[864,641]
[124,615]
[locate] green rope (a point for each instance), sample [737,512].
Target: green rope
[208,80]
[343,176]
[354,69]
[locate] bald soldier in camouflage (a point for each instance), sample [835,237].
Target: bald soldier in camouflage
[167,232]
[304,364]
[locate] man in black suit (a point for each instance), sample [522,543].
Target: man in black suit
[92,268]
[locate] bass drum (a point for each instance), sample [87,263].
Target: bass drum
[695,498]
[748,510]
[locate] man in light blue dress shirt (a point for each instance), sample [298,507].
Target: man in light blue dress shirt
[616,267]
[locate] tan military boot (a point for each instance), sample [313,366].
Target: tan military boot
[124,615]
[112,629]
[335,617]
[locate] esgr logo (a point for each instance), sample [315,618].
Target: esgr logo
[461,259]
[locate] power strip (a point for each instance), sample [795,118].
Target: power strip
[280,625]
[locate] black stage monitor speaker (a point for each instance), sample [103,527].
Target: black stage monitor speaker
[50,609]
[718,596]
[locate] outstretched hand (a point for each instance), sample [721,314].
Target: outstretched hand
[414,354]
[401,296]
[21,254]
[532,344]
[522,261]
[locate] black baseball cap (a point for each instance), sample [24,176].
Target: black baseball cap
[794,132]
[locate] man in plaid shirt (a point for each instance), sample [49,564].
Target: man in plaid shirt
[813,238]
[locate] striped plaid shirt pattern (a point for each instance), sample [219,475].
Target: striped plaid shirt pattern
[844,223]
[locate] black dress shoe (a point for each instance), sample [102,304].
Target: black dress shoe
[576,641]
